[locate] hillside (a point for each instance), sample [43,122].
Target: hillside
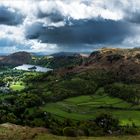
[115,59]
[123,62]
[59,60]
[17,58]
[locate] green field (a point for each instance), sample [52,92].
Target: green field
[89,107]
[18,86]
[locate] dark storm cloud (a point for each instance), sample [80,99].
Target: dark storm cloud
[97,31]
[55,15]
[9,16]
[133,17]
[33,31]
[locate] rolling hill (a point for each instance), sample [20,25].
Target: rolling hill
[17,58]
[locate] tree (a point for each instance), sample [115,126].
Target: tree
[107,122]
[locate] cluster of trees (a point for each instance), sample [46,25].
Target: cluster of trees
[58,62]
[51,87]
[104,124]
[130,93]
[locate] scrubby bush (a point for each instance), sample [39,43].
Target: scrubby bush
[70,131]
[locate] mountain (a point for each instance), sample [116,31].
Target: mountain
[124,62]
[65,54]
[127,60]
[39,53]
[17,58]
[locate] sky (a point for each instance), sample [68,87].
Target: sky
[68,25]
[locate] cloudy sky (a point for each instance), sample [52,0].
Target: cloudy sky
[68,25]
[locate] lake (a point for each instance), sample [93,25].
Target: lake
[27,67]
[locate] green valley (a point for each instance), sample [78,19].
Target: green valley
[99,96]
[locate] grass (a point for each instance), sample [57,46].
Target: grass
[97,101]
[58,110]
[79,99]
[18,86]
[89,107]
[52,137]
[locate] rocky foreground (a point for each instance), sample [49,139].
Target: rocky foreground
[15,132]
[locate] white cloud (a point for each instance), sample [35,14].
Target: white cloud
[79,10]
[37,46]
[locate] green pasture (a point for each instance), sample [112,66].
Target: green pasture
[89,107]
[17,86]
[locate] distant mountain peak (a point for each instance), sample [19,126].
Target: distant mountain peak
[65,54]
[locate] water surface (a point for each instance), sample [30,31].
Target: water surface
[28,67]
